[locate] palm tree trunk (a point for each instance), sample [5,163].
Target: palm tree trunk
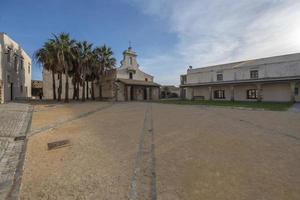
[74,88]
[77,91]
[93,93]
[67,88]
[60,87]
[83,91]
[53,85]
[100,91]
[87,90]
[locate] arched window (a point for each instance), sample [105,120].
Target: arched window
[130,75]
[130,60]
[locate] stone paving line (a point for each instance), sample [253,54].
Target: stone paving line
[143,183]
[15,120]
[56,124]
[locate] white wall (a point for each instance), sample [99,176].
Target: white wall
[19,77]
[282,66]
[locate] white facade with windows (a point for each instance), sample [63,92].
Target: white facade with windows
[15,71]
[267,79]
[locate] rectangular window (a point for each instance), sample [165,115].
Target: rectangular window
[16,63]
[8,54]
[130,75]
[296,91]
[254,74]
[252,94]
[21,88]
[130,60]
[29,68]
[219,94]
[219,77]
[21,63]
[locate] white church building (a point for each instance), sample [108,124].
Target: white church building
[132,83]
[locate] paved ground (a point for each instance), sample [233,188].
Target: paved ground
[14,121]
[157,151]
[295,107]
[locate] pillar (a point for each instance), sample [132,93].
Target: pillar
[232,93]
[292,86]
[210,92]
[150,93]
[259,95]
[126,92]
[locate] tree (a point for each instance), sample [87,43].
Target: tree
[106,62]
[84,53]
[64,46]
[47,57]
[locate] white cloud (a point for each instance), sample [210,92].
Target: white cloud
[211,32]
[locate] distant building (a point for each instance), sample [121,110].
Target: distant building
[169,91]
[124,83]
[132,83]
[15,70]
[273,79]
[36,88]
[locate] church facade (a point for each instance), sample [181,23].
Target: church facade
[125,83]
[132,83]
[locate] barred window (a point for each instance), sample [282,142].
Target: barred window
[219,94]
[219,77]
[254,74]
[252,94]
[21,63]
[16,63]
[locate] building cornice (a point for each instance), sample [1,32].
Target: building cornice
[244,81]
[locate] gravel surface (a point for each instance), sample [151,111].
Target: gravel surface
[200,153]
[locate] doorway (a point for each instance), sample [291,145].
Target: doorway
[11,91]
[145,93]
[131,93]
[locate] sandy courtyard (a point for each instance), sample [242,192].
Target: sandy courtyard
[167,152]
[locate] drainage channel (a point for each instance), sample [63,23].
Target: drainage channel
[143,184]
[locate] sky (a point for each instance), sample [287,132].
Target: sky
[167,35]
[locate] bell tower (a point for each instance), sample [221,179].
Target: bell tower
[129,59]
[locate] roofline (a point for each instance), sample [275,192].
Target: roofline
[244,61]
[3,33]
[153,85]
[261,80]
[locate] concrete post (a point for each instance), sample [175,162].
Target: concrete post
[259,88]
[148,93]
[129,93]
[210,92]
[232,93]
[292,86]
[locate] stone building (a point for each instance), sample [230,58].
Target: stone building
[124,83]
[273,79]
[15,71]
[36,88]
[132,83]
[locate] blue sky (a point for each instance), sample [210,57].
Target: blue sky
[168,35]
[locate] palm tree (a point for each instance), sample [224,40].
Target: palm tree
[46,56]
[84,53]
[65,55]
[106,62]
